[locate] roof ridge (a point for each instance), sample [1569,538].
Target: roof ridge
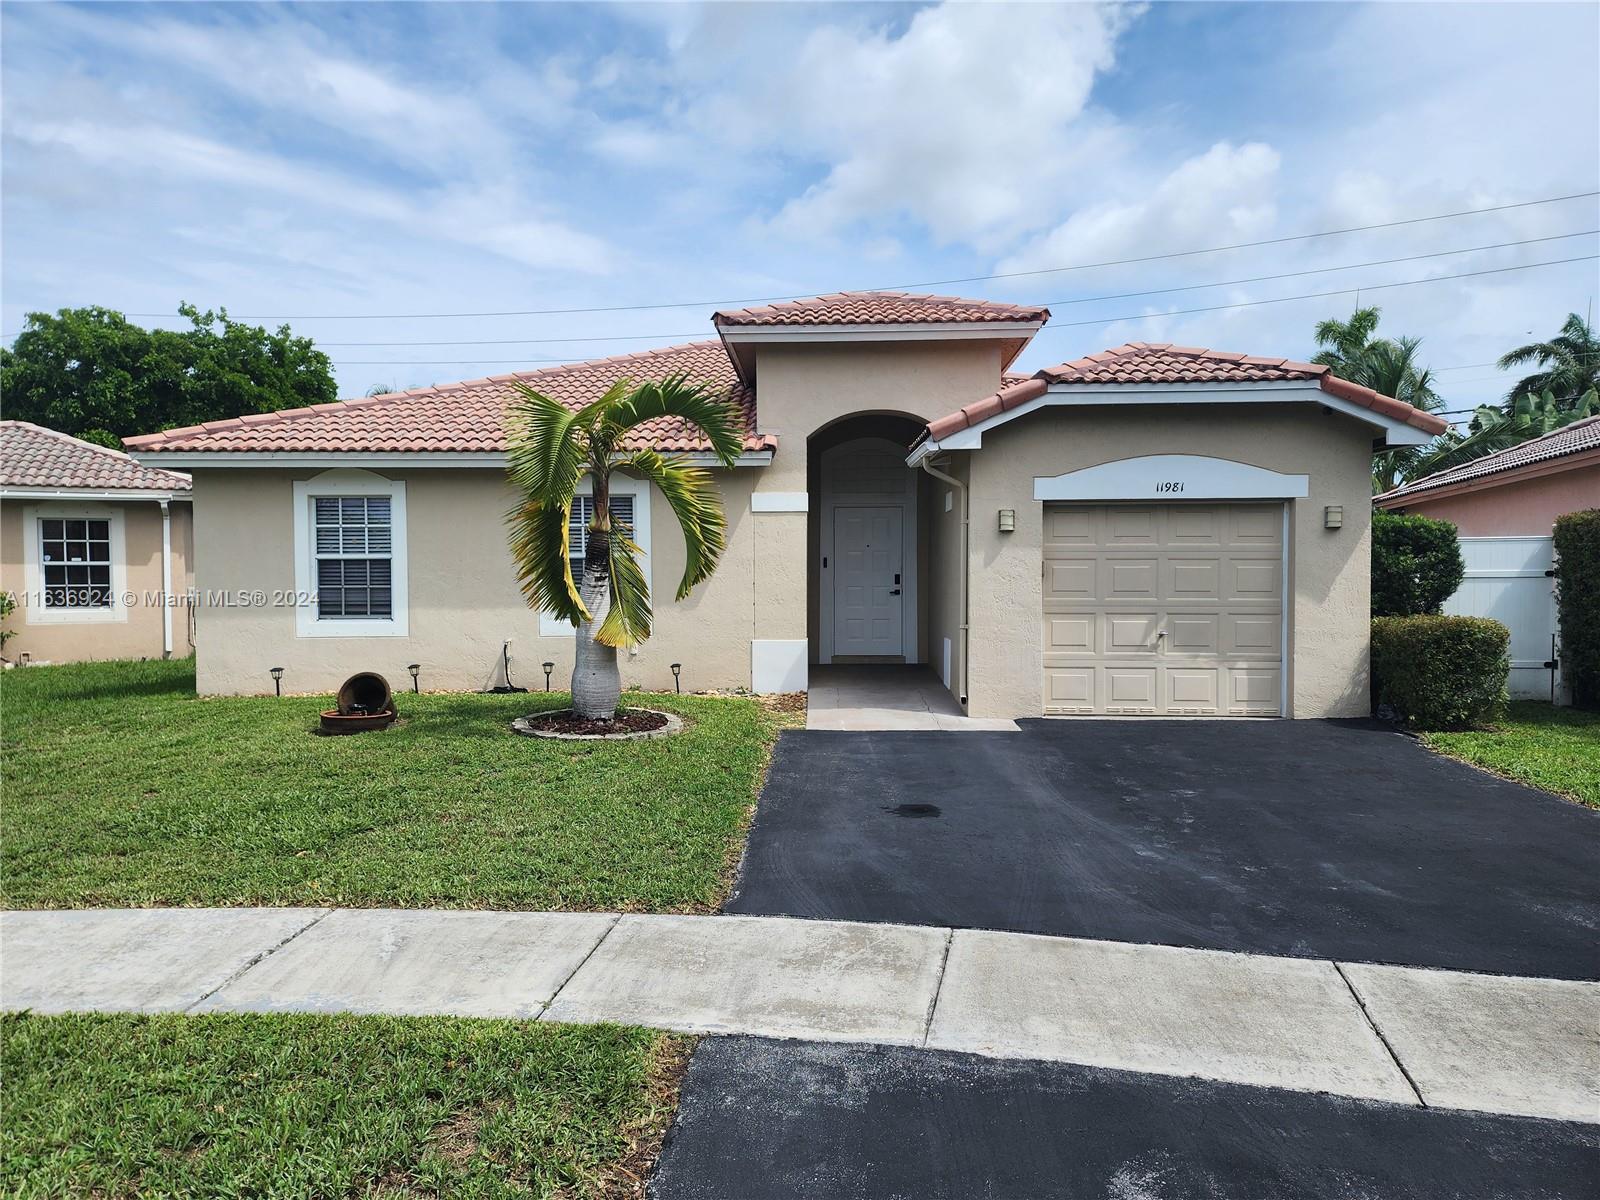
[284,416]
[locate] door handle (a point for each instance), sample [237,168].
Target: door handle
[894,591]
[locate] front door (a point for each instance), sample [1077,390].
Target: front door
[868,581]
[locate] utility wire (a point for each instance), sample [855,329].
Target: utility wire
[1190,287]
[1053,327]
[1118,262]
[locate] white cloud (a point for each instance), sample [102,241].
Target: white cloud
[487,217]
[961,122]
[1226,194]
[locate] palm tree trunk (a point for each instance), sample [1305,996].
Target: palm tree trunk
[596,679]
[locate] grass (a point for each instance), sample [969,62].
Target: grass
[122,788]
[112,1106]
[1557,749]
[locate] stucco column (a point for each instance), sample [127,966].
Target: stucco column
[779,650]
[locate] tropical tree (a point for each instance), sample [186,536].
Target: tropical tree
[1491,430]
[552,447]
[1389,367]
[94,374]
[1569,365]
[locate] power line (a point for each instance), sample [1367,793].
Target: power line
[1345,291]
[1177,312]
[1053,327]
[1191,287]
[1119,262]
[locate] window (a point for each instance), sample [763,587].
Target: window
[350,556]
[353,542]
[578,526]
[75,562]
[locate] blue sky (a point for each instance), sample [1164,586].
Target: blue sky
[310,161]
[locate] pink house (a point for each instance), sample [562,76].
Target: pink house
[1503,506]
[1515,492]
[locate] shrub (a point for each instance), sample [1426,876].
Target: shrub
[1441,672]
[1416,564]
[1577,542]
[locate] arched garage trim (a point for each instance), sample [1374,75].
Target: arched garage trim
[1171,477]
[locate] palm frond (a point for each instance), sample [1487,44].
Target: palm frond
[714,415]
[545,446]
[628,621]
[540,550]
[697,504]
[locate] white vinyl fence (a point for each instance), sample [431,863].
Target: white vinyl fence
[1508,579]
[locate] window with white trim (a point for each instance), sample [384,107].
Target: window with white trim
[75,562]
[350,556]
[353,540]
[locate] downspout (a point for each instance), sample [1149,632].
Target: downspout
[166,579]
[961,488]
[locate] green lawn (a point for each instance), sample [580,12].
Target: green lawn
[296,1106]
[1557,749]
[122,788]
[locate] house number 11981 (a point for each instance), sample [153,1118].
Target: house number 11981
[1169,485]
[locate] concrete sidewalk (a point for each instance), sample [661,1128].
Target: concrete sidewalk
[1398,1034]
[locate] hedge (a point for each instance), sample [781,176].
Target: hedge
[1441,672]
[1416,564]
[1577,543]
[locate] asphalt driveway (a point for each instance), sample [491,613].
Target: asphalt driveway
[762,1120]
[1326,839]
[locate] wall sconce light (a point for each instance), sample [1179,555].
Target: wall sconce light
[677,683]
[1008,520]
[415,669]
[548,667]
[1333,516]
[277,680]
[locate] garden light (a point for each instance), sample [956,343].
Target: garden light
[277,680]
[677,684]
[415,669]
[548,667]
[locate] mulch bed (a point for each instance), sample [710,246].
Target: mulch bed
[627,720]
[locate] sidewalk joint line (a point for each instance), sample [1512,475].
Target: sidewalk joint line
[1373,1024]
[263,956]
[938,986]
[560,987]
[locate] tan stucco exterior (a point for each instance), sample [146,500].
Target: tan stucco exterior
[464,602]
[136,629]
[1329,570]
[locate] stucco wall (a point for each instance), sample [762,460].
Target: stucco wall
[140,635]
[463,595]
[1329,569]
[1521,509]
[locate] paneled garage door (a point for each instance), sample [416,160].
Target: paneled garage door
[1156,609]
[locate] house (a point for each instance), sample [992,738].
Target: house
[95,548]
[1153,529]
[1503,506]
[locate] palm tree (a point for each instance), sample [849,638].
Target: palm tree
[1389,367]
[1492,429]
[1570,364]
[1344,342]
[551,448]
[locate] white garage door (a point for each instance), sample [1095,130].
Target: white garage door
[1154,609]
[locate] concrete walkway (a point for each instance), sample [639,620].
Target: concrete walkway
[1397,1034]
[870,698]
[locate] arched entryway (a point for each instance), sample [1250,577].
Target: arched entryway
[867,594]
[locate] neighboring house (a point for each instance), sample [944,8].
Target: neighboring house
[1153,529]
[96,548]
[1503,506]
